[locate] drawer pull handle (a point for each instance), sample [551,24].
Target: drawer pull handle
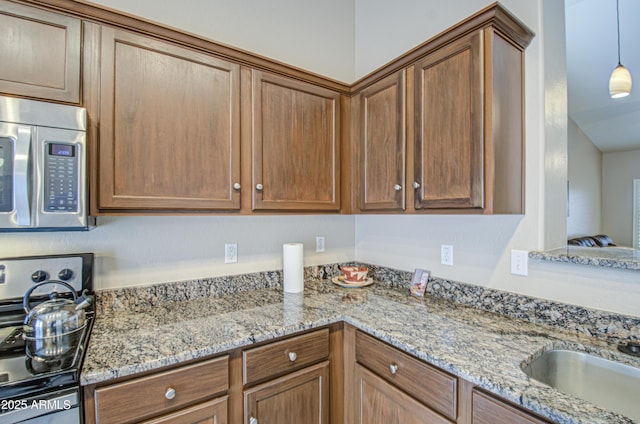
[293,356]
[416,185]
[253,420]
[259,187]
[393,368]
[397,187]
[237,186]
[170,393]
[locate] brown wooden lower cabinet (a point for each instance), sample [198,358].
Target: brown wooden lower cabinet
[337,375]
[212,412]
[163,394]
[378,402]
[300,397]
[391,386]
[487,409]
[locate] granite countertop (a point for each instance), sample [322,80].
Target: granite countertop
[609,257]
[482,347]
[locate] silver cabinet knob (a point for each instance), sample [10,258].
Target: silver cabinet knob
[253,420]
[170,393]
[236,186]
[293,356]
[416,184]
[397,187]
[393,368]
[259,187]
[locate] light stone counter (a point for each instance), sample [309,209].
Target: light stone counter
[608,257]
[482,347]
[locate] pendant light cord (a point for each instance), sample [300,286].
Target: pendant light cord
[618,16]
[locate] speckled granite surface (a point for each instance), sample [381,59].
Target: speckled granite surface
[485,348]
[611,257]
[601,324]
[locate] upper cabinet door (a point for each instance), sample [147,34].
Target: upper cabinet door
[381,147]
[39,53]
[169,127]
[296,145]
[449,126]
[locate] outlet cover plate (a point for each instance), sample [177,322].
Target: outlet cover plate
[320,244]
[230,253]
[446,254]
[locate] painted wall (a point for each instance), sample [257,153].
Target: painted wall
[134,251]
[585,184]
[619,169]
[314,35]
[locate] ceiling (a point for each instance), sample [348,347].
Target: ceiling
[611,124]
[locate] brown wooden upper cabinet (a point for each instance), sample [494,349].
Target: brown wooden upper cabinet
[379,112]
[39,53]
[448,126]
[295,145]
[468,126]
[459,148]
[169,135]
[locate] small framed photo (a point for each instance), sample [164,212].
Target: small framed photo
[419,282]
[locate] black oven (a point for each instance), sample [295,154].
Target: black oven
[33,389]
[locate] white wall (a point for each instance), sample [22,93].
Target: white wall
[134,251]
[619,169]
[386,29]
[317,36]
[585,184]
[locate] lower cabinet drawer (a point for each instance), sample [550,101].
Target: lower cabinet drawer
[433,387]
[287,355]
[488,410]
[158,394]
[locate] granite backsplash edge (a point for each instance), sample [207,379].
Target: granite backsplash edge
[600,324]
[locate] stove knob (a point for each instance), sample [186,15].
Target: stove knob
[39,276]
[66,274]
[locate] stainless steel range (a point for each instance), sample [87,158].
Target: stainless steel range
[40,376]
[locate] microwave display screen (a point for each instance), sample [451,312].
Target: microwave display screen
[56,149]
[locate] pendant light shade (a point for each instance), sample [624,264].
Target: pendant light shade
[620,82]
[620,79]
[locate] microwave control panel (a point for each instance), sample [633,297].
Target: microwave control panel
[61,177]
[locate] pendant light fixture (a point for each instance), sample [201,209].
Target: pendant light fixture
[620,80]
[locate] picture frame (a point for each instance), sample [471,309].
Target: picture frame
[419,282]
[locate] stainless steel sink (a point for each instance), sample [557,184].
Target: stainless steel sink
[611,385]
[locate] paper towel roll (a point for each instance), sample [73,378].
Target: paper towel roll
[293,267]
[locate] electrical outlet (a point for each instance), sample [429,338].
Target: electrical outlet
[520,262]
[230,253]
[320,244]
[446,254]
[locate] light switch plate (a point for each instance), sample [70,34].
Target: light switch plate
[520,262]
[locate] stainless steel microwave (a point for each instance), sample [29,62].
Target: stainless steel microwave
[42,166]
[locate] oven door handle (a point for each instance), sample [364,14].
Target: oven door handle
[21,177]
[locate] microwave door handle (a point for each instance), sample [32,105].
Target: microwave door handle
[21,195]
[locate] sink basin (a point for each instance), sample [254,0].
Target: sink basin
[608,384]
